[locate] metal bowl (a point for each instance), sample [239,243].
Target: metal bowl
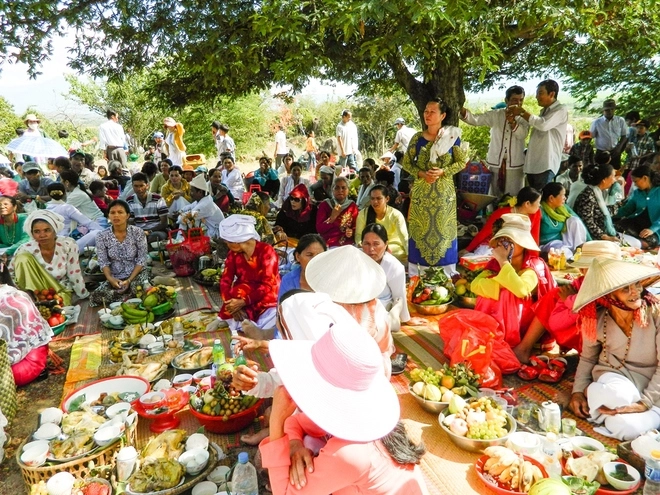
[473,445]
[429,405]
[431,309]
[467,302]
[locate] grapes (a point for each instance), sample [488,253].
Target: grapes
[489,430]
[426,375]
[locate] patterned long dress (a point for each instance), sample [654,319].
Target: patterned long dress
[432,216]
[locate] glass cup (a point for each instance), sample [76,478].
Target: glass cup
[568,427]
[524,413]
[126,460]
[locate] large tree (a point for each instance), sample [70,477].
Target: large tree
[201,49]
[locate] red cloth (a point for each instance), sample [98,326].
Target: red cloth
[29,368]
[305,213]
[486,233]
[334,233]
[257,281]
[558,319]
[8,187]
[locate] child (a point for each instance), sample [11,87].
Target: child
[100,196]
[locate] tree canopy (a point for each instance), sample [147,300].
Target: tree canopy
[200,50]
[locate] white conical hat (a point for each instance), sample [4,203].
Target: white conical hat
[606,275]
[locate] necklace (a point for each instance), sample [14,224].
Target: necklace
[625,356]
[10,232]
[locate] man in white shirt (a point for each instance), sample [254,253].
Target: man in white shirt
[610,133]
[227,144]
[280,146]
[506,150]
[403,135]
[548,134]
[207,211]
[347,139]
[112,138]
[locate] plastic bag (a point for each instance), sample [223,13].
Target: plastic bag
[475,337]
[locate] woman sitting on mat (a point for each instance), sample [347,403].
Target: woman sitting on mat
[12,233]
[72,217]
[251,279]
[554,313]
[122,253]
[506,287]
[26,332]
[617,382]
[336,216]
[48,260]
[561,228]
[298,215]
[527,202]
[338,385]
[308,246]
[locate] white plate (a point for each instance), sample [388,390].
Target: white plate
[110,385]
[644,444]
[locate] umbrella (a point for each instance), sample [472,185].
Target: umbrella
[4,159]
[36,145]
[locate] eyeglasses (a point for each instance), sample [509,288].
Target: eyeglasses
[295,200]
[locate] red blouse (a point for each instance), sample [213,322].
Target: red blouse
[334,233]
[256,281]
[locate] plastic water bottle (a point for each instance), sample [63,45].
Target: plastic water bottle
[244,480]
[652,473]
[218,353]
[240,359]
[551,455]
[177,331]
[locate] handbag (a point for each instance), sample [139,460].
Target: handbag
[8,400]
[196,242]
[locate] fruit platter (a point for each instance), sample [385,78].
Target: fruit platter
[434,389]
[504,471]
[431,293]
[209,277]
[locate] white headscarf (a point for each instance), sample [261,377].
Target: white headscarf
[55,220]
[239,228]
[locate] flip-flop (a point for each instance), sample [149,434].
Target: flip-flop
[554,372]
[399,362]
[529,372]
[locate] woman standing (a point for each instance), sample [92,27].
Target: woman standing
[48,261]
[432,158]
[122,254]
[392,219]
[298,215]
[640,215]
[12,233]
[617,382]
[336,216]
[174,145]
[308,246]
[561,228]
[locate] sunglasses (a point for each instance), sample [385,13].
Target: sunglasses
[296,200]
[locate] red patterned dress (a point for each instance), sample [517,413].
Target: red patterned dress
[256,281]
[334,233]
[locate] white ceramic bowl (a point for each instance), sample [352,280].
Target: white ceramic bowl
[105,436]
[106,318]
[119,409]
[36,455]
[116,320]
[586,445]
[147,339]
[217,476]
[197,441]
[47,431]
[610,467]
[69,310]
[152,400]
[51,415]
[194,461]
[114,305]
[135,300]
[161,384]
[204,488]
[60,484]
[34,444]
[156,347]
[114,384]
[182,380]
[197,377]
[104,311]
[522,442]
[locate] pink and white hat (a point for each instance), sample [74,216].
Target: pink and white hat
[339,382]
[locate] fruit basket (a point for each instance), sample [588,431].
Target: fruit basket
[431,293]
[235,422]
[431,309]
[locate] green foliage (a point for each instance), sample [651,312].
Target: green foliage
[9,121]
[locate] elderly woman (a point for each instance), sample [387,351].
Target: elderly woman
[527,202]
[337,384]
[308,246]
[390,218]
[251,278]
[266,177]
[72,217]
[336,216]
[48,260]
[298,215]
[122,254]
[176,191]
[561,228]
[12,233]
[617,382]
[203,208]
[640,215]
[506,288]
[27,334]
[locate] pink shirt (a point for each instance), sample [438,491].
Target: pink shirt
[341,467]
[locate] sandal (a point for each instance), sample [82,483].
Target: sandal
[529,372]
[399,362]
[554,371]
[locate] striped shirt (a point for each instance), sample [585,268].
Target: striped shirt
[147,216]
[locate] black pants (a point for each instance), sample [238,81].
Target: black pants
[272,187]
[634,225]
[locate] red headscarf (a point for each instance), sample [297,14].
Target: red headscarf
[305,212]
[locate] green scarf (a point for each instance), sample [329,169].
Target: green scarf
[560,214]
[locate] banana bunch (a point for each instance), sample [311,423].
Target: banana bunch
[511,469]
[133,315]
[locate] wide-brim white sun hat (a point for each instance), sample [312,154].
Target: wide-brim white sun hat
[339,382]
[597,249]
[346,274]
[606,276]
[518,228]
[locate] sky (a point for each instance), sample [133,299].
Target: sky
[46,93]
